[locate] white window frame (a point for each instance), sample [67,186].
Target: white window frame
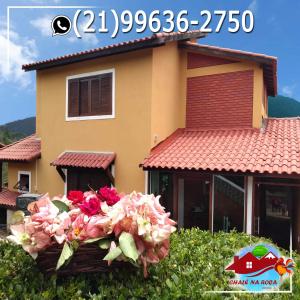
[113,173]
[82,75]
[249,265]
[66,181]
[19,177]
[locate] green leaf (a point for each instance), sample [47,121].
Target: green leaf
[65,255]
[104,244]
[62,206]
[113,254]
[169,283]
[89,241]
[74,245]
[128,246]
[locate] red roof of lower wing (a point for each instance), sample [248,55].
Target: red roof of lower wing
[24,150]
[84,160]
[8,198]
[273,149]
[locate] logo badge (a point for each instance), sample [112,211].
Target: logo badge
[259,268]
[61,25]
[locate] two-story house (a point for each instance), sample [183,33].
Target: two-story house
[167,115]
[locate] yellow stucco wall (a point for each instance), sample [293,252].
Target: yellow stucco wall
[258,98]
[150,104]
[14,168]
[128,134]
[167,101]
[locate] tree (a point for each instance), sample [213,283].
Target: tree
[260,251]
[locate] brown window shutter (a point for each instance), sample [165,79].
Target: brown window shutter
[90,96]
[84,92]
[95,96]
[106,94]
[72,180]
[73,98]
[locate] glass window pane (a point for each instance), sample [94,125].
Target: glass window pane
[229,198]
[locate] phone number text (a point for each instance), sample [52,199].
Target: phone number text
[166,21]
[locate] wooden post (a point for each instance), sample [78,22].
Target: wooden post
[175,197]
[211,204]
[180,203]
[1,177]
[249,203]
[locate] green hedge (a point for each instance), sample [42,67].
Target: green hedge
[196,264]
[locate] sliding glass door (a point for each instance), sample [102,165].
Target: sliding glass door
[228,203]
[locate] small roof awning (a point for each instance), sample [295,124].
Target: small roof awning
[24,150]
[8,198]
[95,160]
[274,149]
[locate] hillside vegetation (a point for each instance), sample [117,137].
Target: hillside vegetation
[281,107]
[16,130]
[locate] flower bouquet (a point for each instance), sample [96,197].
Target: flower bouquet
[94,231]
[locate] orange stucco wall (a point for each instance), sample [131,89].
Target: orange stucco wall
[128,134]
[14,168]
[150,104]
[167,99]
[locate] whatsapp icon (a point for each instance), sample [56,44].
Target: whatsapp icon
[61,25]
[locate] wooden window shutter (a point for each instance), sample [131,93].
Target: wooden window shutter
[106,94]
[95,96]
[73,98]
[72,180]
[84,103]
[90,96]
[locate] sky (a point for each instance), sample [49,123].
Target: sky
[276,33]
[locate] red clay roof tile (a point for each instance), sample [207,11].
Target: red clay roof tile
[274,149]
[84,160]
[8,198]
[154,40]
[26,149]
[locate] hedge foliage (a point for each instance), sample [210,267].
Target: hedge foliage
[196,264]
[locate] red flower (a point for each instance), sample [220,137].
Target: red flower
[90,206]
[109,195]
[75,196]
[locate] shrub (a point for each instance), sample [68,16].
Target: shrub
[195,265]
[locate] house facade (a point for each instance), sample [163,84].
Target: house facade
[166,115]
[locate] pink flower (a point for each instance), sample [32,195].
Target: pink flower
[90,206]
[99,226]
[78,228]
[76,197]
[31,242]
[44,210]
[109,195]
[59,227]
